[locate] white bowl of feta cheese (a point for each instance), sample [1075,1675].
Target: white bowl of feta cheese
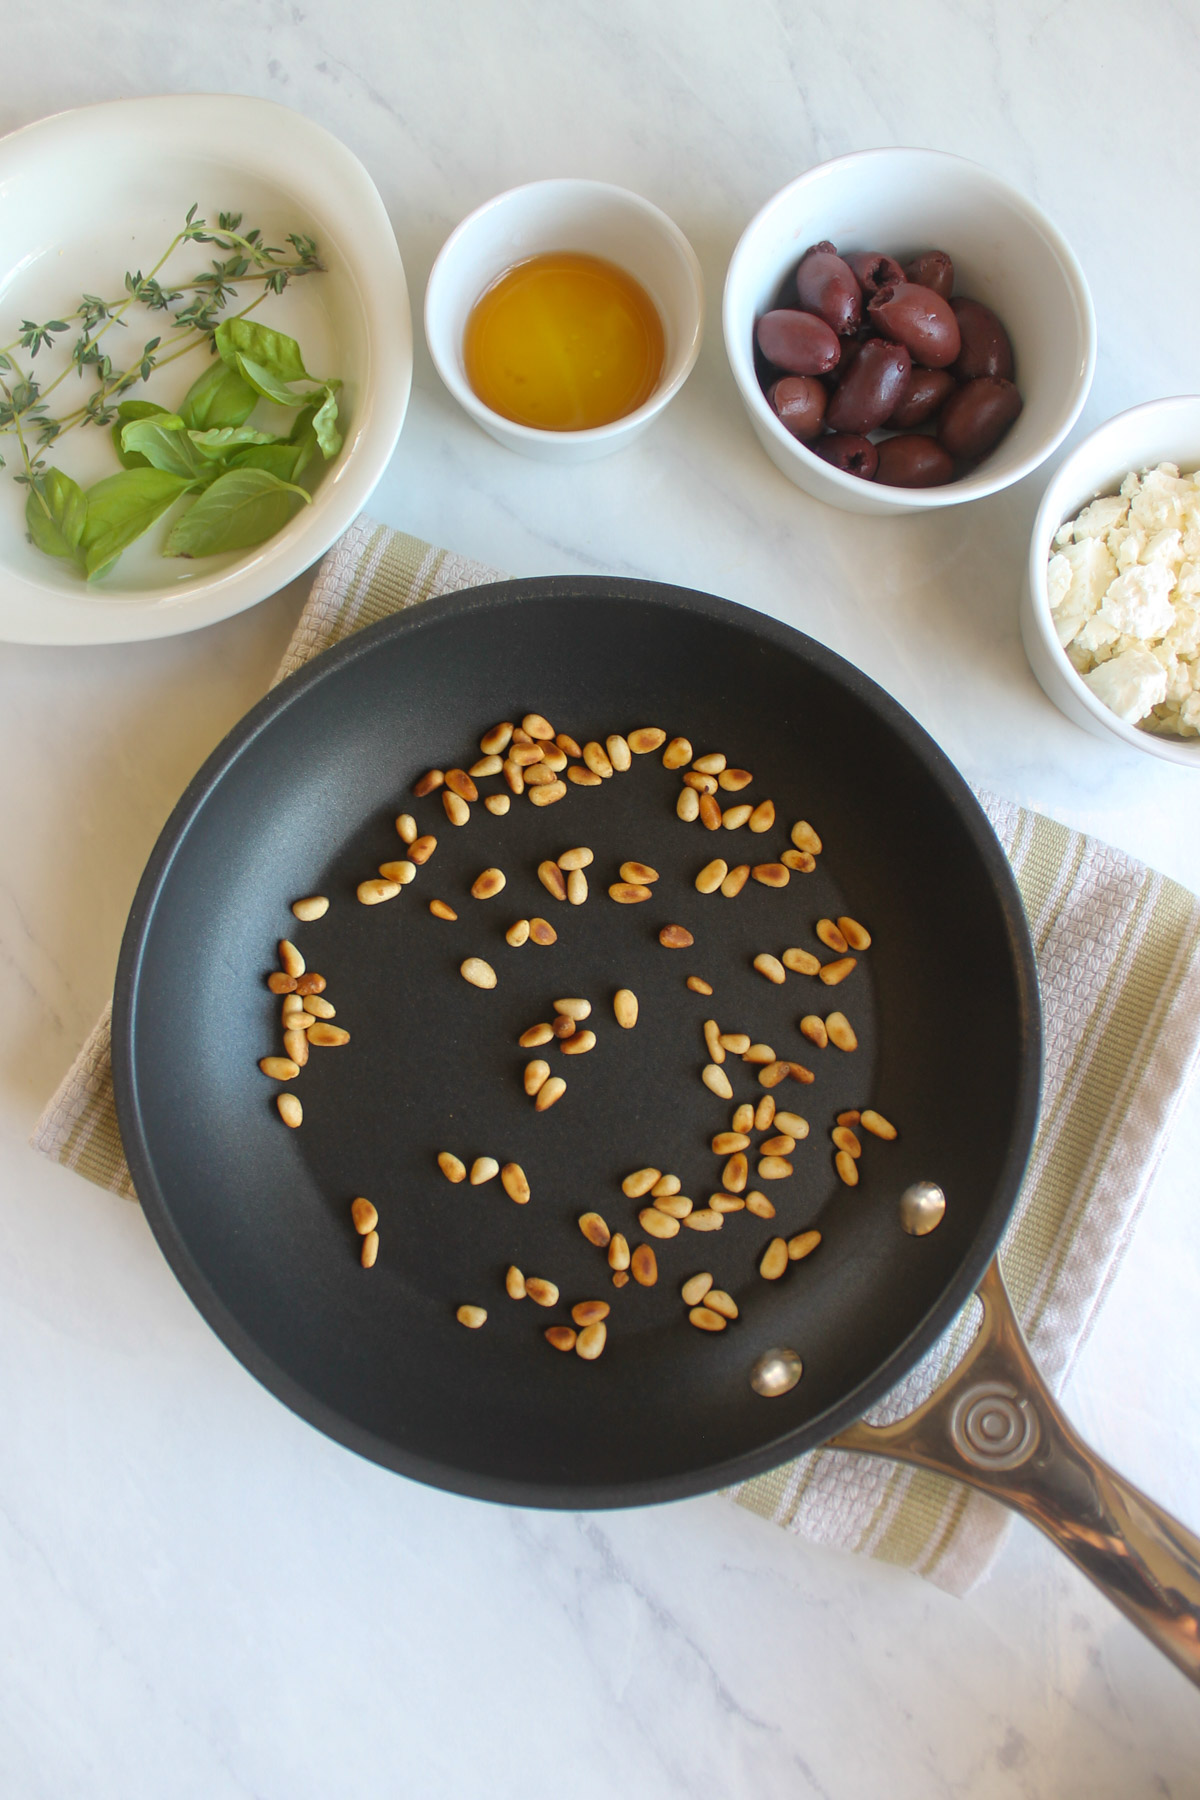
[1110,617]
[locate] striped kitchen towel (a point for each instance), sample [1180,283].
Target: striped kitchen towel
[1118,951]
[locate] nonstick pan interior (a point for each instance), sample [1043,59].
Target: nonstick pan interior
[254,1218]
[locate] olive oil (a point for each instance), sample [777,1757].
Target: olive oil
[564,342]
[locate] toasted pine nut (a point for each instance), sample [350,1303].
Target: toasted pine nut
[292,1003]
[834,972]
[734,780]
[735,881]
[573,1007]
[480,974]
[562,1027]
[591,1341]
[712,1038]
[772,875]
[553,759]
[428,783]
[805,838]
[537,1073]
[314,907]
[548,795]
[638,871]
[722,1202]
[517,933]
[376,890]
[310,984]
[497,803]
[711,876]
[618,1250]
[290,959]
[403,872]
[497,739]
[590,1312]
[774,1168]
[549,1092]
[537,726]
[441,910]
[596,758]
[625,1008]
[645,739]
[279,983]
[460,783]
[450,1165]
[639,1183]
[665,1186]
[771,967]
[487,765]
[677,753]
[798,1072]
[841,1031]
[515,1183]
[581,858]
[758,1053]
[695,1288]
[676,937]
[620,1278]
[538,776]
[698,985]
[578,1044]
[487,883]
[703,784]
[319,1008]
[520,735]
[774,1259]
[514,1282]
[514,775]
[726,1142]
[582,777]
[717,1081]
[801,962]
[577,887]
[783,1145]
[710,813]
[542,1293]
[472,1317]
[483,1169]
[857,936]
[813,1028]
[628,893]
[456,808]
[718,1301]
[595,1231]
[799,860]
[552,879]
[802,1245]
[422,848]
[759,1205]
[764,1113]
[279,1068]
[290,1109]
[676,1206]
[406,827]
[704,1320]
[524,757]
[711,764]
[877,1125]
[364,1215]
[370,1250]
[844,1139]
[734,817]
[773,1073]
[560,1337]
[736,1172]
[849,1118]
[846,1167]
[687,807]
[830,936]
[643,1266]
[763,816]
[704,1218]
[619,753]
[658,1224]
[542,932]
[295,1045]
[736,1042]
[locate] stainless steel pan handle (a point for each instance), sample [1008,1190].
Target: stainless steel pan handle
[995,1425]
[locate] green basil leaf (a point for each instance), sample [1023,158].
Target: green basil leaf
[239,510]
[121,508]
[270,386]
[285,461]
[271,350]
[217,398]
[127,411]
[215,444]
[55,513]
[164,443]
[325,425]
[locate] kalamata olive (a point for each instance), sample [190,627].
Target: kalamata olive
[920,320]
[975,419]
[799,402]
[986,349]
[797,342]
[932,269]
[874,270]
[914,461]
[927,390]
[827,285]
[856,455]
[871,389]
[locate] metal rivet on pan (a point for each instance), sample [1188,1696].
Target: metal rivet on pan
[922,1208]
[776,1373]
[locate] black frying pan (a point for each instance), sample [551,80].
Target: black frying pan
[254,1218]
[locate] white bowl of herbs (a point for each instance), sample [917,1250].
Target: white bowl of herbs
[205,362]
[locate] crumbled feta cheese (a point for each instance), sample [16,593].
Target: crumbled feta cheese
[1138,602]
[1098,519]
[1129,684]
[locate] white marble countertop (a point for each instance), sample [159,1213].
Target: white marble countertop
[202,1596]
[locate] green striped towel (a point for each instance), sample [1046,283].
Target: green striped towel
[1117,948]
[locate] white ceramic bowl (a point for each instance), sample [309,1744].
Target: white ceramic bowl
[1160,431]
[92,193]
[1006,253]
[582,216]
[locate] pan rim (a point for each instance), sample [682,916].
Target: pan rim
[471,1483]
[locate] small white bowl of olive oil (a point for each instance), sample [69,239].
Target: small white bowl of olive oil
[563,316]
